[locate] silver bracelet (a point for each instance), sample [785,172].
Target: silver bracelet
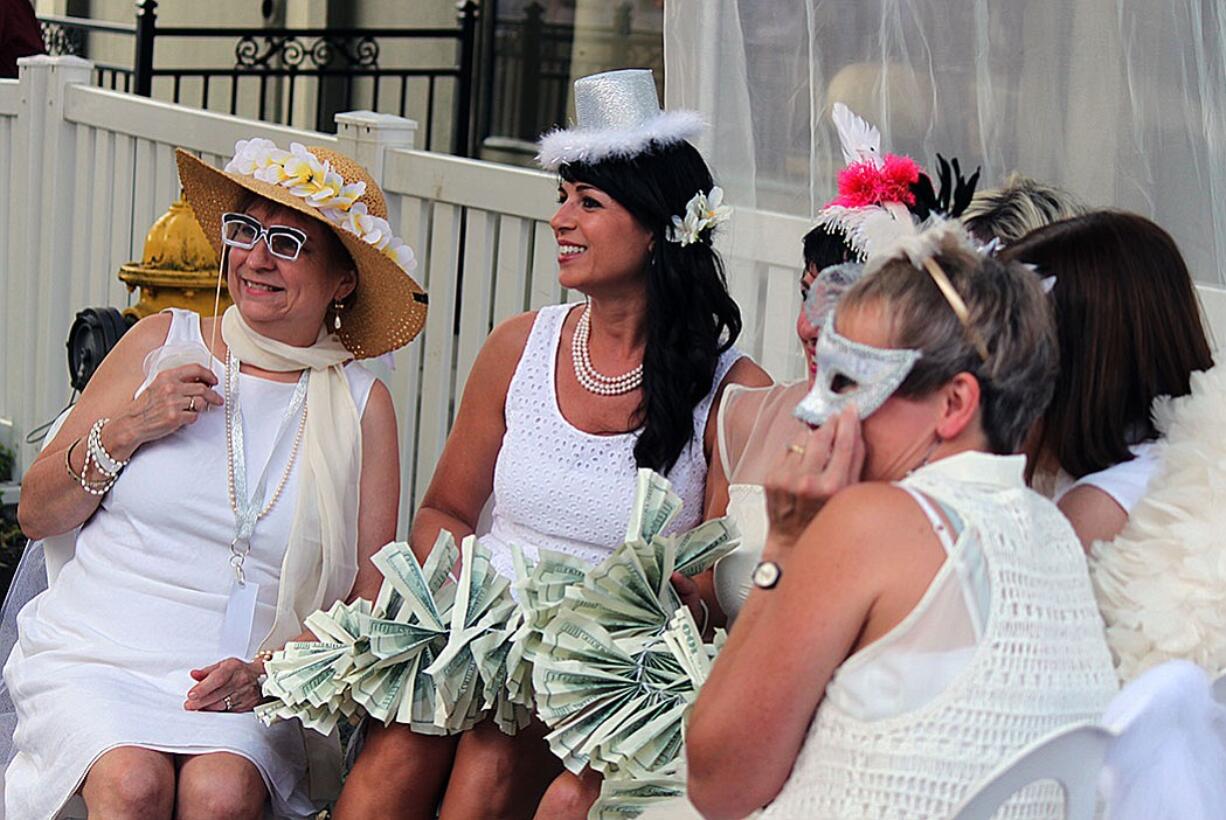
[102,459]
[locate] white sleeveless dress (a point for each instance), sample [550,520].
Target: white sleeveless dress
[557,487]
[103,656]
[1005,646]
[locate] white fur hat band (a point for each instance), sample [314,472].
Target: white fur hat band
[619,116]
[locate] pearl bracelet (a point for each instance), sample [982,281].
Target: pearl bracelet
[105,463]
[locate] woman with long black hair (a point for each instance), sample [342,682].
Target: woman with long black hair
[564,404]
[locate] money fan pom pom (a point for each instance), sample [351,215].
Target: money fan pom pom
[620,659]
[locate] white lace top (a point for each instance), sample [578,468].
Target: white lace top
[560,488]
[1023,653]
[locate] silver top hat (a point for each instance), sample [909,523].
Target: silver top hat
[616,99]
[619,116]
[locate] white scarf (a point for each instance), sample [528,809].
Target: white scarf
[320,561]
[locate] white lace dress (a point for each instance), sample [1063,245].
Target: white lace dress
[1004,647]
[103,655]
[557,487]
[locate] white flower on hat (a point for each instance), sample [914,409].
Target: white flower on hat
[401,253]
[312,179]
[249,156]
[701,212]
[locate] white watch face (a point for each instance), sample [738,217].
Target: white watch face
[766,575]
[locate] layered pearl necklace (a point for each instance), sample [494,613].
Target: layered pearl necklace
[593,380]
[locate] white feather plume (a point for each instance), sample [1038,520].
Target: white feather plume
[861,142]
[896,239]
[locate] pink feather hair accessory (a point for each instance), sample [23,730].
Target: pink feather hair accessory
[862,184]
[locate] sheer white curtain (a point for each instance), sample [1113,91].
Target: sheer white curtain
[1122,102]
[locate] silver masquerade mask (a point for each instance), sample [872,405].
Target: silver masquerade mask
[863,374]
[826,289]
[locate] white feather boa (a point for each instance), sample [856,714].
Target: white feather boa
[1161,584]
[560,146]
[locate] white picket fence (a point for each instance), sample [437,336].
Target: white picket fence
[87,171]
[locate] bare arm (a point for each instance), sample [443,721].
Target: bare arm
[52,502]
[464,477]
[836,592]
[1094,514]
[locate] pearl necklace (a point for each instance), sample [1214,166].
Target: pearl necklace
[589,377]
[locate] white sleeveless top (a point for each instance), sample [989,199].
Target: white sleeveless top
[753,430]
[1015,592]
[1125,482]
[557,487]
[103,655]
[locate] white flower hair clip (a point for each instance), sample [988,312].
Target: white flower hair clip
[703,211]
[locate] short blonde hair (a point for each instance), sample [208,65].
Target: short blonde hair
[1006,309]
[1016,208]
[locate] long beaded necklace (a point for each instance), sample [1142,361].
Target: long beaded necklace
[246,510]
[593,380]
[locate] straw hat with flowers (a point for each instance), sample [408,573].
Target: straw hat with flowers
[389,307]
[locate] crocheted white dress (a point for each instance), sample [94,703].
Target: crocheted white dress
[103,655]
[557,487]
[1004,647]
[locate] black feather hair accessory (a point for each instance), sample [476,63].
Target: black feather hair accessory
[954,196]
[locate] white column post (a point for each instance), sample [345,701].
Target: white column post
[51,277]
[365,135]
[41,235]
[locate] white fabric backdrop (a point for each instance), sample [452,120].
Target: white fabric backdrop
[1122,102]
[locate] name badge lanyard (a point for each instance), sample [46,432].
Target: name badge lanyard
[249,507]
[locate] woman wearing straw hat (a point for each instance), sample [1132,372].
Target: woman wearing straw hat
[564,404]
[220,501]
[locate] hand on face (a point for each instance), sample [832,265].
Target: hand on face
[817,465]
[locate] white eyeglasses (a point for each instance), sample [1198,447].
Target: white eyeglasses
[243,231]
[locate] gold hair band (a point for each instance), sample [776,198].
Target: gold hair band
[959,307]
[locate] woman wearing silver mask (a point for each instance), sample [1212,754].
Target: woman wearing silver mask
[917,605]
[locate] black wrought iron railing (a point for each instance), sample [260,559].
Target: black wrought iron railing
[533,62]
[274,69]
[72,35]
[504,83]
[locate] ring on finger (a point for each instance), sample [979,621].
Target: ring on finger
[229,703]
[191,405]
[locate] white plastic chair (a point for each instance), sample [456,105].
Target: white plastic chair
[1073,757]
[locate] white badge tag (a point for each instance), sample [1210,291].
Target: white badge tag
[239,621]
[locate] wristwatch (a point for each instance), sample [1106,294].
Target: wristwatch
[766,574]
